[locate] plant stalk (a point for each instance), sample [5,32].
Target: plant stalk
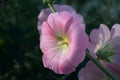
[51,7]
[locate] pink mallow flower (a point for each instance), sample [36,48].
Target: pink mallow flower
[105,46]
[63,42]
[46,12]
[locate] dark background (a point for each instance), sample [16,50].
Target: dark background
[20,56]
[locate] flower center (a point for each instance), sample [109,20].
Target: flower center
[63,43]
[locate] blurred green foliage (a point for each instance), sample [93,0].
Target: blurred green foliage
[20,56]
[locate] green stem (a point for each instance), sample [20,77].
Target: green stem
[105,70]
[52,7]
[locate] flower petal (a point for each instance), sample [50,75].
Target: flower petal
[99,38]
[77,21]
[115,59]
[43,17]
[51,60]
[91,72]
[115,39]
[59,21]
[60,8]
[78,44]
[115,31]
[104,33]
[47,38]
[94,41]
